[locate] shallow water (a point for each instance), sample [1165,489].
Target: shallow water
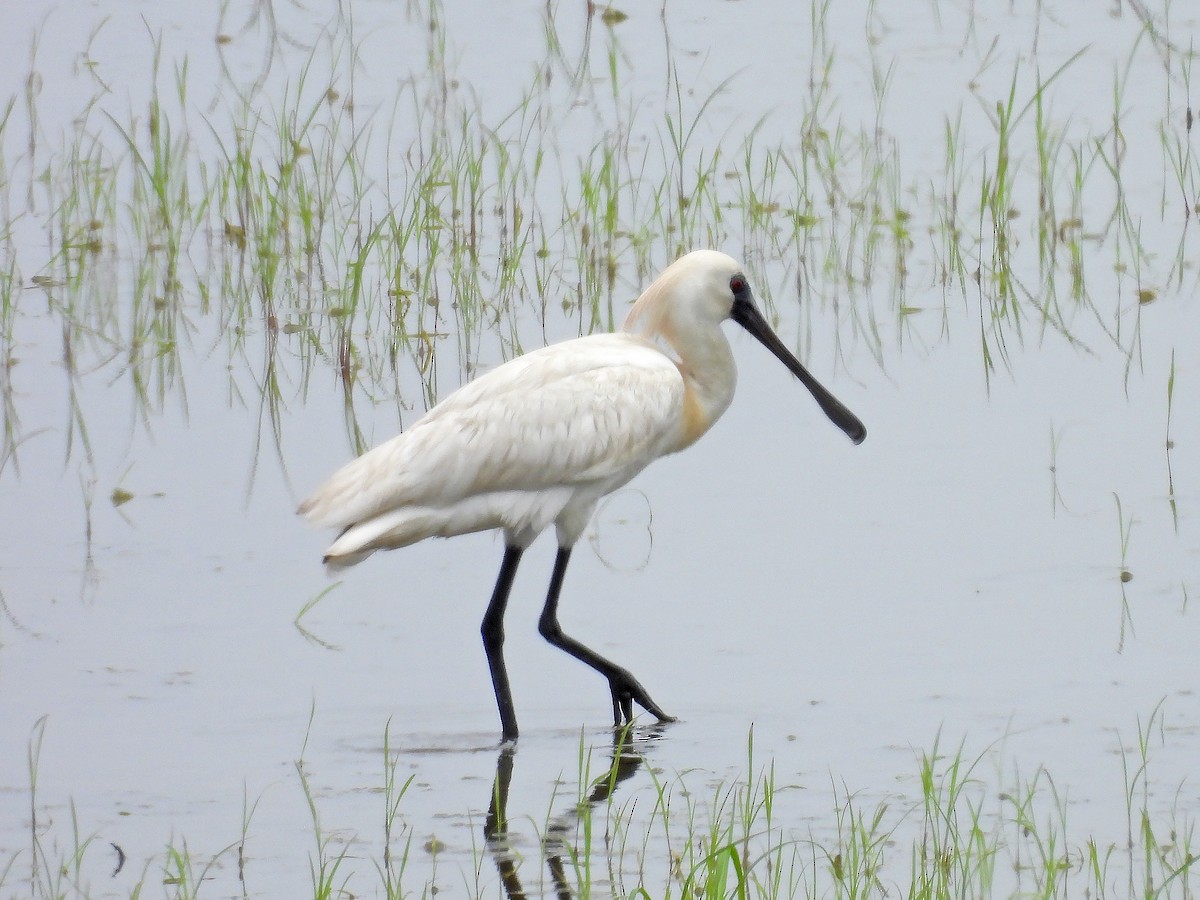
[956,580]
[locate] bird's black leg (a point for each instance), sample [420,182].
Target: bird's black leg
[493,641]
[625,688]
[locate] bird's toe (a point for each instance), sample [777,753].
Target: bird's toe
[626,690]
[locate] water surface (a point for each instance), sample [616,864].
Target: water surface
[1023,363]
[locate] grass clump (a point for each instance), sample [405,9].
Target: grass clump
[961,828]
[362,240]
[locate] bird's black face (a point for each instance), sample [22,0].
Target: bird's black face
[746,314]
[741,292]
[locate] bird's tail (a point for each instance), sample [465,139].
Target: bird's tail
[396,528]
[334,565]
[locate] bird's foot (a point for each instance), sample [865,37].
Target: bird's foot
[626,690]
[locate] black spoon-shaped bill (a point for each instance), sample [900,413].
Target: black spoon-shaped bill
[746,314]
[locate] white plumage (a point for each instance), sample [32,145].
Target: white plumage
[515,449]
[540,439]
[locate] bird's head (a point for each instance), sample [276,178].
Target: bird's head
[704,288]
[695,290]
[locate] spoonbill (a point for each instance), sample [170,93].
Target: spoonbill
[541,438]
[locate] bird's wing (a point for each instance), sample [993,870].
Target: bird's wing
[587,410]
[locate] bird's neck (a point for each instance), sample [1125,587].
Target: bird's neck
[709,377]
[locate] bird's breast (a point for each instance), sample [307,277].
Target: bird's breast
[696,418]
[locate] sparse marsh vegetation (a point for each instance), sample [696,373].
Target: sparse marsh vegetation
[362,228]
[957,823]
[232,252]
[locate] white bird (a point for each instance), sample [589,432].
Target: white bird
[542,438]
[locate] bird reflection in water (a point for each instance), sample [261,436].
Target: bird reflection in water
[625,759]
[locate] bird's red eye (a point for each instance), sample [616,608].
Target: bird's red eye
[737,284]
